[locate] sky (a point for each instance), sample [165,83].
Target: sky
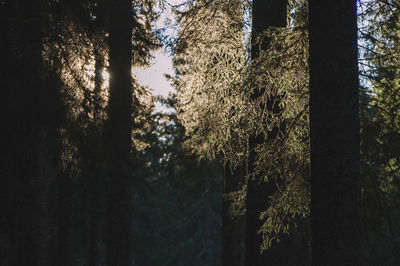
[153,76]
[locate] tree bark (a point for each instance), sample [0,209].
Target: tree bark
[118,135]
[334,133]
[266,14]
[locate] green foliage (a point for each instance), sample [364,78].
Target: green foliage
[211,64]
[282,69]
[215,84]
[78,51]
[380,123]
[178,200]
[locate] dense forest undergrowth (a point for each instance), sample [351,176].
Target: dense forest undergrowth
[281,145]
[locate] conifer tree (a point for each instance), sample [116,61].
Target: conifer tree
[265,15]
[34,108]
[232,220]
[334,134]
[119,134]
[380,115]
[211,100]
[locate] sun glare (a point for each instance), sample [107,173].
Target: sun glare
[106,77]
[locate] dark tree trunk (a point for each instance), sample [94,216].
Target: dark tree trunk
[334,131]
[64,224]
[8,103]
[95,175]
[36,152]
[95,203]
[265,14]
[118,136]
[232,220]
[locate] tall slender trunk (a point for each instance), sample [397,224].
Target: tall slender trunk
[334,133]
[96,180]
[64,224]
[37,157]
[95,148]
[265,14]
[118,135]
[232,223]
[8,103]
[64,185]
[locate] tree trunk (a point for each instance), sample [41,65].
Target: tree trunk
[232,220]
[8,103]
[96,153]
[118,138]
[37,157]
[265,14]
[64,224]
[334,134]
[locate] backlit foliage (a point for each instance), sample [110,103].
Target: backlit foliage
[215,81]
[211,60]
[283,71]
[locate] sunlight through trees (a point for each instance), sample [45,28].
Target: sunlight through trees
[200,132]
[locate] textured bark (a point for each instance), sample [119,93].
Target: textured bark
[232,221]
[265,14]
[334,131]
[118,138]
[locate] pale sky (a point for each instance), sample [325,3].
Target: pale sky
[161,64]
[153,76]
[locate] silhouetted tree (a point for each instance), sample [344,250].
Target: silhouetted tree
[33,92]
[264,16]
[334,134]
[232,217]
[119,134]
[210,98]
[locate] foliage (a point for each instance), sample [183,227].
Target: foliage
[380,135]
[215,82]
[178,201]
[282,69]
[177,190]
[76,49]
[210,70]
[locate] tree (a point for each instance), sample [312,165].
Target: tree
[119,134]
[380,115]
[215,86]
[81,55]
[33,109]
[334,134]
[232,222]
[178,204]
[212,104]
[265,15]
